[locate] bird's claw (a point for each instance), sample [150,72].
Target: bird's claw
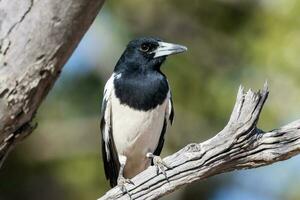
[121,184]
[159,164]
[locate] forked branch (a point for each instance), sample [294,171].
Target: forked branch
[240,145]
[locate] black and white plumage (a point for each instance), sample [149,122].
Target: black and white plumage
[136,109]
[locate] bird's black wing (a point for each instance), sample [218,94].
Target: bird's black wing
[169,116]
[109,153]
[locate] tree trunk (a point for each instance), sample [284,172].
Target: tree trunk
[36,39]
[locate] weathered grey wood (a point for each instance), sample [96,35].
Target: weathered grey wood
[240,145]
[36,39]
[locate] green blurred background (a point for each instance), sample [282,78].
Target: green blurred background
[231,42]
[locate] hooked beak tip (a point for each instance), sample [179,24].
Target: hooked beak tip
[183,48]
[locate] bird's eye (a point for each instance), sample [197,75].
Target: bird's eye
[145,47]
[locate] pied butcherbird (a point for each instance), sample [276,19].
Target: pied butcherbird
[136,110]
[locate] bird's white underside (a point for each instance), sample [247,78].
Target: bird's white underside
[135,132]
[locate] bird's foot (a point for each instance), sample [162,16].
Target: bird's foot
[159,164]
[121,184]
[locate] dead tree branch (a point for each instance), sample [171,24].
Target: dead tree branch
[36,39]
[240,145]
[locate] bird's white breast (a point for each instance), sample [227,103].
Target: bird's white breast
[136,133]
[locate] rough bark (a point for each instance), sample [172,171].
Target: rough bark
[240,145]
[36,39]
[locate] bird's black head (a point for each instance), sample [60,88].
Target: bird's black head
[146,53]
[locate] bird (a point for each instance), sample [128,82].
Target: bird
[136,110]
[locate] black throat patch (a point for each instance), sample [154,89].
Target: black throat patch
[141,91]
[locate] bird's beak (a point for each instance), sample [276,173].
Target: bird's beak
[165,49]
